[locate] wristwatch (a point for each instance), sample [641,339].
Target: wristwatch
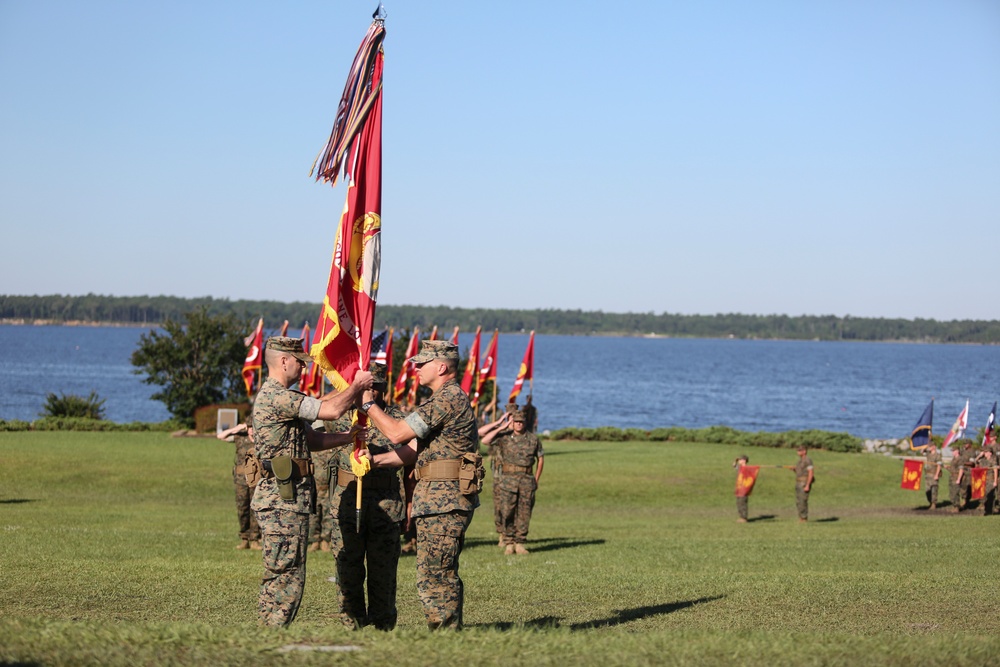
[365,407]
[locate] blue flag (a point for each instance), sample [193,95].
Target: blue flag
[921,436]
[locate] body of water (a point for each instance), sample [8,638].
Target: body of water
[872,390]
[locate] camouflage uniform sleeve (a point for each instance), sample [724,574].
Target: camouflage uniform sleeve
[431,415]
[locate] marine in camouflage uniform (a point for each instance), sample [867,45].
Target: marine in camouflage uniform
[241,436]
[488,433]
[446,446]
[988,460]
[515,492]
[803,483]
[742,501]
[281,419]
[377,544]
[956,473]
[249,530]
[320,527]
[932,474]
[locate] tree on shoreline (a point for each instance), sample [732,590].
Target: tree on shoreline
[197,363]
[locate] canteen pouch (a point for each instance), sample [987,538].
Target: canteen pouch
[251,470]
[282,468]
[471,474]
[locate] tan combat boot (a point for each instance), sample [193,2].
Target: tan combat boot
[313,547]
[324,546]
[244,544]
[255,545]
[520,550]
[509,550]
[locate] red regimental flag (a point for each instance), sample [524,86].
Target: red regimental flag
[399,390]
[351,292]
[745,480]
[978,483]
[311,383]
[472,367]
[454,337]
[255,354]
[488,370]
[434,333]
[912,472]
[284,329]
[527,370]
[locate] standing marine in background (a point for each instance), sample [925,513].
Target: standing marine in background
[804,476]
[988,461]
[956,473]
[488,433]
[742,501]
[441,438]
[932,474]
[283,473]
[514,494]
[242,436]
[319,521]
[530,415]
[377,544]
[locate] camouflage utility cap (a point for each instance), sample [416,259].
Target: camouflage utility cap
[436,349]
[378,374]
[517,416]
[292,346]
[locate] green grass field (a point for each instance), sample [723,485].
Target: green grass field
[117,549]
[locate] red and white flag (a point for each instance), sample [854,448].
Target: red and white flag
[399,390]
[472,367]
[527,370]
[255,355]
[488,370]
[958,428]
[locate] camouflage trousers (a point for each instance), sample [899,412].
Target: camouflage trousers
[959,493]
[989,501]
[497,516]
[244,494]
[439,543]
[515,499]
[802,501]
[378,545]
[743,506]
[285,535]
[932,493]
[320,525]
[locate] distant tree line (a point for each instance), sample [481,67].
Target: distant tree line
[153,310]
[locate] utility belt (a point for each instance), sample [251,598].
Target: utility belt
[371,481]
[439,471]
[510,467]
[468,471]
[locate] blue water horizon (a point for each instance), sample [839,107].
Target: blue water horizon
[870,390]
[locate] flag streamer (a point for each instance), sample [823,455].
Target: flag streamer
[361,93]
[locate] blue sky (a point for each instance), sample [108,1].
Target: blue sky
[828,157]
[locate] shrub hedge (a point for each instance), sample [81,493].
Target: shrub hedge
[814,439]
[83,424]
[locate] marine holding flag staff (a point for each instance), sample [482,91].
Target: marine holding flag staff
[449,476]
[283,474]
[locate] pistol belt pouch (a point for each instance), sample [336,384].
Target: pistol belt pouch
[285,471]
